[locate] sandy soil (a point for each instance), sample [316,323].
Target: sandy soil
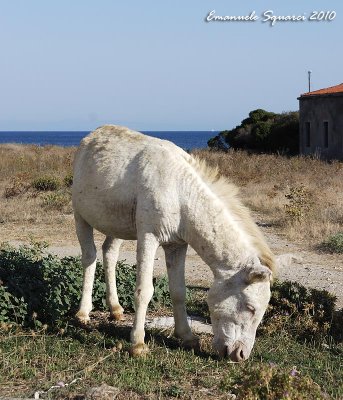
[297,262]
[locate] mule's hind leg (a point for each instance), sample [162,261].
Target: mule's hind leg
[110,250]
[85,235]
[175,260]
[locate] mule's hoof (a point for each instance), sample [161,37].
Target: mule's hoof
[117,316]
[193,343]
[139,350]
[117,313]
[82,317]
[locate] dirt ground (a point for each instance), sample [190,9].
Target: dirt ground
[297,262]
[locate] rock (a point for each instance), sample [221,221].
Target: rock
[197,325]
[285,260]
[103,392]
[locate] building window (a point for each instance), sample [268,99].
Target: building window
[308,133]
[326,134]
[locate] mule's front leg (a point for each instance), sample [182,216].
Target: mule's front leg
[146,249]
[175,260]
[85,235]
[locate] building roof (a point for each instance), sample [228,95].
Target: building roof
[327,91]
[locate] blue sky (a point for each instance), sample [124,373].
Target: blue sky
[157,65]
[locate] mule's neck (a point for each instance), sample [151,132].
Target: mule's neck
[214,232]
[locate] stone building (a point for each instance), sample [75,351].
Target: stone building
[321,122]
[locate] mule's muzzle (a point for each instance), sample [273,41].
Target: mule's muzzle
[239,352]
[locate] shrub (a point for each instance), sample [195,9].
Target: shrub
[46,183]
[56,200]
[68,180]
[304,313]
[12,308]
[284,134]
[299,198]
[18,185]
[37,288]
[273,383]
[334,243]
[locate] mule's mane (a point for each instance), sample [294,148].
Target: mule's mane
[227,193]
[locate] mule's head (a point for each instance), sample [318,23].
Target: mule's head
[237,305]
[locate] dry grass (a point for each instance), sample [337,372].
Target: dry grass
[312,212]
[35,160]
[301,196]
[24,211]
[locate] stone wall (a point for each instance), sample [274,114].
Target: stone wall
[316,110]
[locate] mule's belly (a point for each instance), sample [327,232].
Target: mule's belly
[111,216]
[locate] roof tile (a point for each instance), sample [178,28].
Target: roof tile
[329,90]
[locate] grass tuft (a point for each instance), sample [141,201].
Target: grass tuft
[46,183]
[56,200]
[68,180]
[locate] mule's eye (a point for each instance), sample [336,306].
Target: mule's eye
[251,308]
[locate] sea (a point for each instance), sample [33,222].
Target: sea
[188,140]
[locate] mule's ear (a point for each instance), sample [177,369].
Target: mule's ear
[258,273]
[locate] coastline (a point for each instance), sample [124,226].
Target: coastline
[187,140]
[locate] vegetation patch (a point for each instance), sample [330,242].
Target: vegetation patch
[334,243]
[299,202]
[46,183]
[305,314]
[68,180]
[17,185]
[56,200]
[262,131]
[274,383]
[38,288]
[299,196]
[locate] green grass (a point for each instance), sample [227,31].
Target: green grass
[29,363]
[37,360]
[297,354]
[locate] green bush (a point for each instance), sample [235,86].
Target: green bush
[284,134]
[68,180]
[46,183]
[262,131]
[304,313]
[37,288]
[334,243]
[258,115]
[12,308]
